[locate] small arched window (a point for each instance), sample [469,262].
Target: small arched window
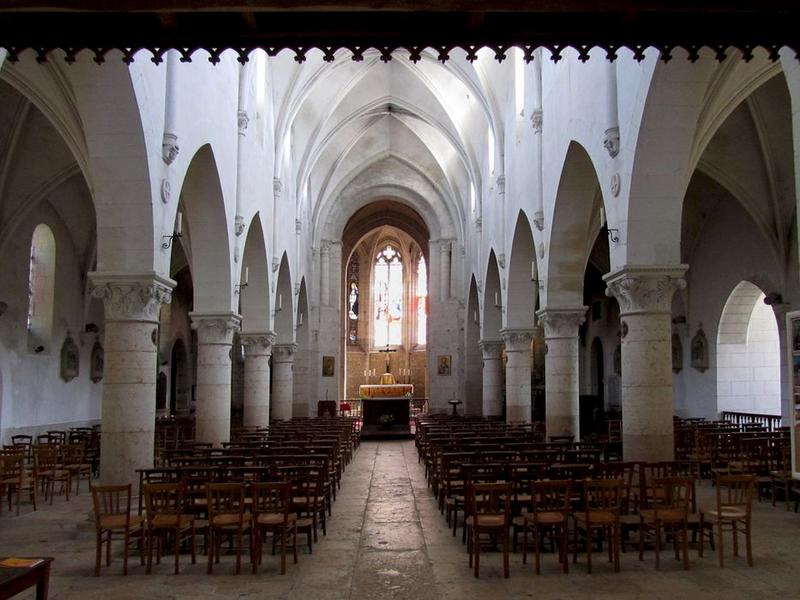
[422,301]
[388,295]
[41,285]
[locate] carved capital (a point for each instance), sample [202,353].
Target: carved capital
[536,120]
[238,225]
[325,247]
[517,340]
[242,120]
[131,297]
[491,349]
[283,352]
[215,328]
[645,289]
[169,147]
[258,344]
[561,322]
[611,141]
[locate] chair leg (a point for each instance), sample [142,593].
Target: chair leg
[563,550]
[98,554]
[720,543]
[506,572]
[685,546]
[192,542]
[210,550]
[125,553]
[476,548]
[149,567]
[177,549]
[748,544]
[108,548]
[658,543]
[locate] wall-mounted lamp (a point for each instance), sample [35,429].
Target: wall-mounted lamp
[300,320]
[613,234]
[475,317]
[280,303]
[496,300]
[177,233]
[237,289]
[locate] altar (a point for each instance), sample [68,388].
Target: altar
[385,409]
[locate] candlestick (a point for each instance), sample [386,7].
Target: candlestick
[179,223]
[246,275]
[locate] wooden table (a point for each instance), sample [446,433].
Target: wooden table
[14,580]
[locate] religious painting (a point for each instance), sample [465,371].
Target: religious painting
[96,362]
[677,353]
[328,363]
[443,363]
[795,335]
[699,350]
[70,359]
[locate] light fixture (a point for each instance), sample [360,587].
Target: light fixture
[280,303]
[613,234]
[177,232]
[245,281]
[300,320]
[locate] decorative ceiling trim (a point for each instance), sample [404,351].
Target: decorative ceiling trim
[411,25]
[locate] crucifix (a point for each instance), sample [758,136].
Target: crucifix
[387,350]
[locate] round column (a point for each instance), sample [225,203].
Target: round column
[518,374]
[132,304]
[561,369]
[645,298]
[257,350]
[213,390]
[492,377]
[282,381]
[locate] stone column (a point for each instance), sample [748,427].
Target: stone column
[492,377]
[132,304]
[645,297]
[518,374]
[445,248]
[780,310]
[561,369]
[325,271]
[257,350]
[282,381]
[213,391]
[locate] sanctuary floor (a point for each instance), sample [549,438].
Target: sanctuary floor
[387,539]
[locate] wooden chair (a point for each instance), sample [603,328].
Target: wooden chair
[77,466]
[15,478]
[226,517]
[732,510]
[489,513]
[165,510]
[550,508]
[670,511]
[271,514]
[112,515]
[602,501]
[49,470]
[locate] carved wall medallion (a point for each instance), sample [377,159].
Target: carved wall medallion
[96,362]
[611,141]
[166,191]
[699,351]
[70,359]
[169,147]
[616,183]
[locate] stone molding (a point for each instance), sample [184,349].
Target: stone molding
[283,352]
[517,340]
[561,323]
[215,328]
[645,289]
[131,296]
[258,344]
[491,349]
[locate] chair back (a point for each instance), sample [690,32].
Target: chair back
[273,497]
[225,499]
[111,500]
[73,453]
[12,467]
[673,493]
[163,499]
[553,495]
[490,499]
[735,493]
[46,457]
[603,494]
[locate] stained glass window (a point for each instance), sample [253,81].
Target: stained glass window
[352,300]
[388,294]
[422,302]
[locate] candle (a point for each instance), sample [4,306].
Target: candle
[280,301]
[365,372]
[602,216]
[300,320]
[246,275]
[496,300]
[179,223]
[533,270]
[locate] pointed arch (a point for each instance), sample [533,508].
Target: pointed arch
[473,400]
[254,298]
[207,233]
[492,301]
[284,303]
[522,289]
